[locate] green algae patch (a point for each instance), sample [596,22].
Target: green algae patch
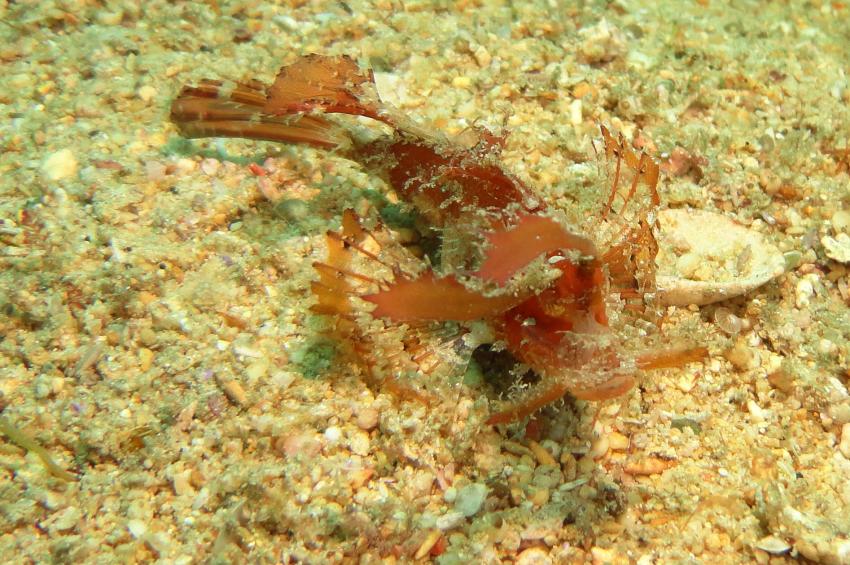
[315,357]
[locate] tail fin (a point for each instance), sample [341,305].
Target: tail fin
[282,111]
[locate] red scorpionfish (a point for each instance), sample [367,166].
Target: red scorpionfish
[544,289]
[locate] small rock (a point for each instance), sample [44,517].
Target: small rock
[428,543]
[359,443]
[66,519]
[648,466]
[367,419]
[360,477]
[576,112]
[155,171]
[137,528]
[837,248]
[333,434]
[257,370]
[841,221]
[450,495]
[53,500]
[210,166]
[304,444]
[181,483]
[482,56]
[282,379]
[146,93]
[449,520]
[804,291]
[534,556]
[461,82]
[109,17]
[234,392]
[60,165]
[618,442]
[539,496]
[146,357]
[773,545]
[741,356]
[543,456]
[602,555]
[470,499]
[601,43]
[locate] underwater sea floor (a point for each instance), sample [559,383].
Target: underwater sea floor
[168,396]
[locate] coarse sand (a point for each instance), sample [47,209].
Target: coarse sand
[167,396]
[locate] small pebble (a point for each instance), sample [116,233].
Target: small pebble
[137,528]
[109,17]
[618,442]
[602,555]
[757,414]
[804,292]
[146,93]
[360,477]
[257,370]
[333,434]
[841,221]
[543,456]
[210,166]
[576,112]
[66,519]
[470,499]
[599,447]
[234,392]
[429,542]
[648,466]
[539,497]
[181,483]
[450,495]
[145,358]
[359,443]
[773,545]
[534,556]
[60,165]
[837,248]
[53,501]
[741,356]
[483,58]
[367,419]
[461,82]
[449,520]
[154,170]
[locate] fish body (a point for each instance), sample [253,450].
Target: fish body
[544,289]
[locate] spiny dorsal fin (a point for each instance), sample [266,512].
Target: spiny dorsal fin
[630,253]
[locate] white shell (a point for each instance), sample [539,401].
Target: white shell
[706,257]
[773,545]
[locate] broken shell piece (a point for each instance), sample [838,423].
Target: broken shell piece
[837,248]
[706,257]
[773,545]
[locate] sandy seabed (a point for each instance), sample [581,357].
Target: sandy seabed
[167,397]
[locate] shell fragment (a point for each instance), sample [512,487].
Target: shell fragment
[706,257]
